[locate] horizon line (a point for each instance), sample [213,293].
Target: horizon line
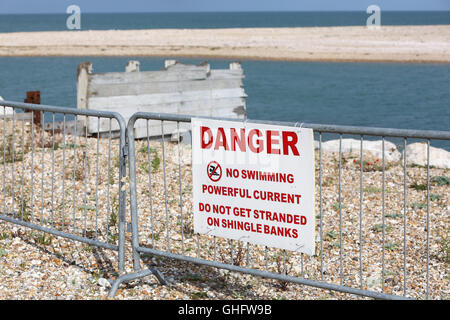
[245,11]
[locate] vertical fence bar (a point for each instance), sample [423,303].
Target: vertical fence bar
[42,174]
[150,186]
[231,252]
[32,167]
[133,195]
[181,188]
[22,209]
[96,180]
[63,172]
[13,155]
[266,258]
[405,178]
[4,160]
[340,213]
[165,186]
[86,144]
[428,219]
[198,245]
[74,175]
[123,152]
[53,168]
[248,254]
[320,206]
[361,162]
[108,191]
[382,217]
[301,264]
[215,248]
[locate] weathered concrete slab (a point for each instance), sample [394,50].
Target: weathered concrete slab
[178,88]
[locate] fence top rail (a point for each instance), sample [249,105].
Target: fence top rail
[65,110]
[328,128]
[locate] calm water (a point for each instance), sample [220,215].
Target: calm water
[52,22]
[411,96]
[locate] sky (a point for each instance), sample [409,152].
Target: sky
[59,6]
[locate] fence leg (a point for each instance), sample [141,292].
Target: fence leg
[133,195]
[134,276]
[122,198]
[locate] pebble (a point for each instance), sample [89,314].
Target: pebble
[104,283]
[72,279]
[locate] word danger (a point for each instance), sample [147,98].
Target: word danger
[256,141]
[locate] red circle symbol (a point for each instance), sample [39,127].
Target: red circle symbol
[214,171]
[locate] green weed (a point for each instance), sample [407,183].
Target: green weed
[393,215]
[193,277]
[335,206]
[379,228]
[42,239]
[441,180]
[444,246]
[156,161]
[391,246]
[144,167]
[418,205]
[146,149]
[372,189]
[4,235]
[331,234]
[418,187]
[434,197]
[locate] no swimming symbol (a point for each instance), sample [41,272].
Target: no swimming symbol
[214,171]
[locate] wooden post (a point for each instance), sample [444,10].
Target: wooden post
[132,66]
[84,70]
[235,66]
[169,63]
[34,97]
[83,73]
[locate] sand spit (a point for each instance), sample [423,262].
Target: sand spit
[388,44]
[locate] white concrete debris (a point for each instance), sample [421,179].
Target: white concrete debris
[373,147]
[8,110]
[416,153]
[104,283]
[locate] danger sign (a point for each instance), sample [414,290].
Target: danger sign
[254,183]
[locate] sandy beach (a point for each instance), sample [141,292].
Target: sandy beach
[388,44]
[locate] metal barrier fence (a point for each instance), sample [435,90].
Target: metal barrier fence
[379,220]
[58,179]
[373,224]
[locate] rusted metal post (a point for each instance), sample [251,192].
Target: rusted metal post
[34,97]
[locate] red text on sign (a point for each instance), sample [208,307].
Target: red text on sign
[271,141]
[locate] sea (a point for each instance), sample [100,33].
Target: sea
[392,95]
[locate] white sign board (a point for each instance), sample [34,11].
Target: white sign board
[254,183]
